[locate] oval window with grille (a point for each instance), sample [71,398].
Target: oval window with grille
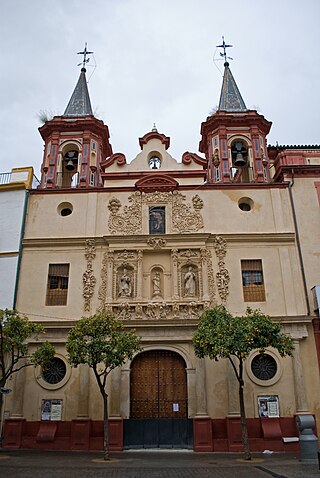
[264,367]
[55,371]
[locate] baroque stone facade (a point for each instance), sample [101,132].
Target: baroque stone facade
[156,242]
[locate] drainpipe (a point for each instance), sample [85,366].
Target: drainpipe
[23,225]
[291,183]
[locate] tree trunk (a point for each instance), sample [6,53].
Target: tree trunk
[105,427]
[244,429]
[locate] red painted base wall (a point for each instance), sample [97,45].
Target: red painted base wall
[210,435]
[75,435]
[224,435]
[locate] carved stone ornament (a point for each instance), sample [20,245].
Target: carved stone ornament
[222,276]
[211,285]
[130,221]
[102,295]
[220,246]
[157,311]
[186,218]
[223,280]
[156,242]
[88,278]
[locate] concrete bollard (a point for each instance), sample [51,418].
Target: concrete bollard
[307,439]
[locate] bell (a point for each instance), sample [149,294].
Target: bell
[239,162]
[70,165]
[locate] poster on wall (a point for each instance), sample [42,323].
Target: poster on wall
[268,406]
[51,409]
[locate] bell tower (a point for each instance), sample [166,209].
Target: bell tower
[76,143]
[234,137]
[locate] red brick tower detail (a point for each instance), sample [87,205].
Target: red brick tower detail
[234,139]
[76,143]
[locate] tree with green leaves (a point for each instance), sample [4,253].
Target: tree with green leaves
[222,335]
[101,342]
[15,333]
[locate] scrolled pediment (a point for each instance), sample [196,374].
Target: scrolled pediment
[156,182]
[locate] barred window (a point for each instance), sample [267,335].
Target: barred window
[252,280]
[57,288]
[264,367]
[55,371]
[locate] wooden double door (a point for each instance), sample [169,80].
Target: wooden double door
[158,401]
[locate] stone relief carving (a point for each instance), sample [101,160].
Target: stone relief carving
[185,218]
[194,283]
[157,197]
[156,242]
[222,275]
[88,278]
[223,279]
[158,311]
[130,221]
[102,294]
[206,256]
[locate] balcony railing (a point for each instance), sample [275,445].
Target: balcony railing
[5,178]
[13,177]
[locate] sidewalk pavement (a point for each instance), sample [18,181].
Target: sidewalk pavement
[151,464]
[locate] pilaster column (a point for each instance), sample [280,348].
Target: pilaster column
[110,277]
[191,387]
[18,394]
[114,402]
[299,386]
[83,391]
[174,257]
[139,276]
[201,390]
[204,265]
[125,393]
[233,392]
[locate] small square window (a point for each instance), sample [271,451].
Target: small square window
[57,287]
[157,220]
[252,280]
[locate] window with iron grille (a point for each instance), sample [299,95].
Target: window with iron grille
[57,288]
[252,280]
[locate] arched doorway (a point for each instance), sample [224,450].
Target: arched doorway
[158,402]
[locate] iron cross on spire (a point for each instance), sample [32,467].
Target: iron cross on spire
[224,54]
[85,52]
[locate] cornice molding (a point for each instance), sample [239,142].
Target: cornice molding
[186,240]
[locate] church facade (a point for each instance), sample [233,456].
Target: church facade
[155,242]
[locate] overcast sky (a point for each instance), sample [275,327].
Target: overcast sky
[155,65]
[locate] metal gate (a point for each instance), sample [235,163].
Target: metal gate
[158,402]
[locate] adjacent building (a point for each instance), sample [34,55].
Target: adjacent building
[14,188]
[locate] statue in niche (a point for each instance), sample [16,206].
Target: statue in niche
[125,285]
[156,284]
[190,283]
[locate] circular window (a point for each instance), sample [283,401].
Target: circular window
[54,375]
[65,209]
[245,204]
[55,371]
[264,369]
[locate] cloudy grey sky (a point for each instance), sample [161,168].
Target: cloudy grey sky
[155,64]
